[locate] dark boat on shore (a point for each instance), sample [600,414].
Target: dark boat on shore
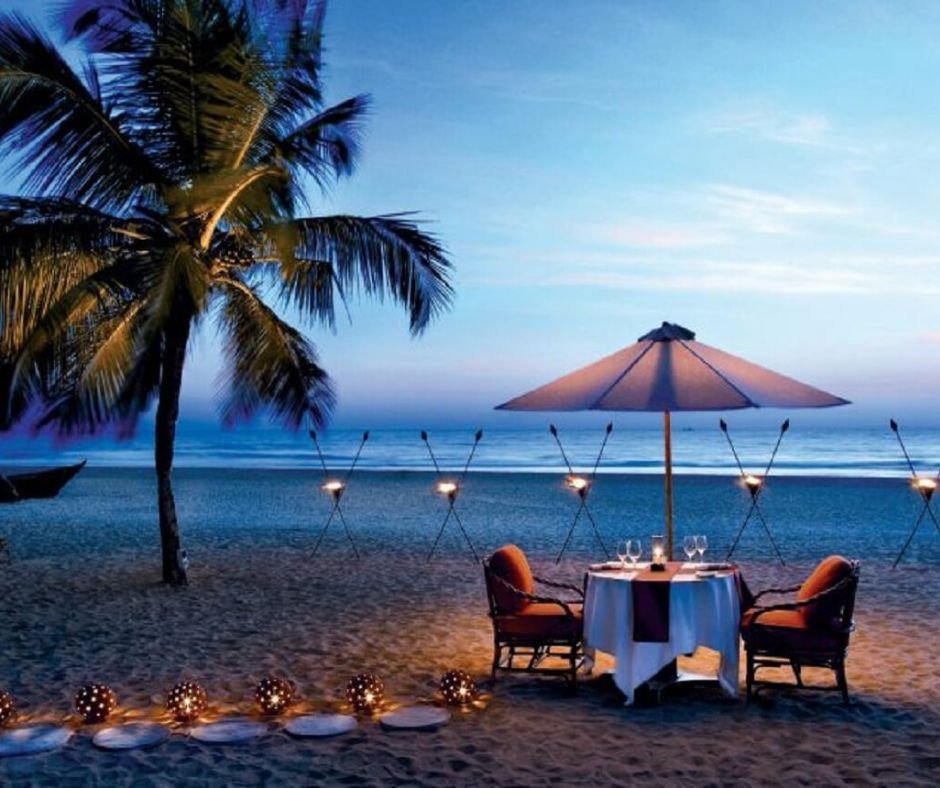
[37,484]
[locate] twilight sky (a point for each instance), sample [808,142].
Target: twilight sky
[764,173]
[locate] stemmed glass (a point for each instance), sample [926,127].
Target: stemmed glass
[689,546]
[622,551]
[634,551]
[701,544]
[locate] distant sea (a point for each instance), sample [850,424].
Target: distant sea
[804,451]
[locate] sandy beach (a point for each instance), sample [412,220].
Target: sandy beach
[255,607]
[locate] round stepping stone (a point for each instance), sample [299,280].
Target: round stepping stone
[234,731]
[416,718]
[131,736]
[321,725]
[32,739]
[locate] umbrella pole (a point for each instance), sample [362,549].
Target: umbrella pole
[667,437]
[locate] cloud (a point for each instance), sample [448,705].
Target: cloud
[763,212]
[653,234]
[787,128]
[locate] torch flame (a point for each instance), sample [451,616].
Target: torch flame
[447,488]
[332,486]
[577,483]
[752,482]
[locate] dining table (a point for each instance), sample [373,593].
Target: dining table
[647,619]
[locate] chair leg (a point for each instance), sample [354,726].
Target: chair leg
[797,672]
[497,654]
[750,676]
[843,683]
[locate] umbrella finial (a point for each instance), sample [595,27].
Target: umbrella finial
[667,332]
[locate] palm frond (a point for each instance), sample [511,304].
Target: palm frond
[326,145]
[48,246]
[269,364]
[69,142]
[381,256]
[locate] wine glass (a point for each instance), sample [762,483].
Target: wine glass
[634,551]
[689,546]
[622,552]
[701,544]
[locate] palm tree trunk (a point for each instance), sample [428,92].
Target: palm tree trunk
[174,355]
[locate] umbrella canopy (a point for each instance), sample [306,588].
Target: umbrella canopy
[667,370]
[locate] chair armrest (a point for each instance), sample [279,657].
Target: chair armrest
[535,598]
[776,591]
[566,586]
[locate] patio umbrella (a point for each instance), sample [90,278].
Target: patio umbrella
[666,371]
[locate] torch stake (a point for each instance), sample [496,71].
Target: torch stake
[754,508]
[583,492]
[925,494]
[452,496]
[337,510]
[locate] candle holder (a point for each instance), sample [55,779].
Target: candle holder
[273,695]
[7,707]
[366,692]
[458,688]
[187,700]
[658,553]
[95,702]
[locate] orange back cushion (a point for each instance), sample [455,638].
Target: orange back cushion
[509,563]
[829,572]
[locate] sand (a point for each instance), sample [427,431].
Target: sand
[255,610]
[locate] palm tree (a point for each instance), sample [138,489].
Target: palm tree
[160,187]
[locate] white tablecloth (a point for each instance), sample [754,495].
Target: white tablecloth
[702,612]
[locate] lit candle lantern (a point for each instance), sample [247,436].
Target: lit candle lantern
[365,692]
[273,695]
[458,687]
[658,562]
[7,707]
[187,700]
[95,702]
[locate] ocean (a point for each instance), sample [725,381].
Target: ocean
[869,452]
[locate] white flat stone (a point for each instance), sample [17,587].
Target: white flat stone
[234,731]
[131,736]
[416,718]
[321,725]
[32,739]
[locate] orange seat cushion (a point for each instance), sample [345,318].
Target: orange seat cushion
[791,619]
[543,620]
[829,572]
[510,563]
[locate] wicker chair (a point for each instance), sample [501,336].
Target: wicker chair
[530,627]
[812,631]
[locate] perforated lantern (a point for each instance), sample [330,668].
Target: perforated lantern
[187,700]
[7,707]
[273,694]
[365,691]
[458,687]
[95,702]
